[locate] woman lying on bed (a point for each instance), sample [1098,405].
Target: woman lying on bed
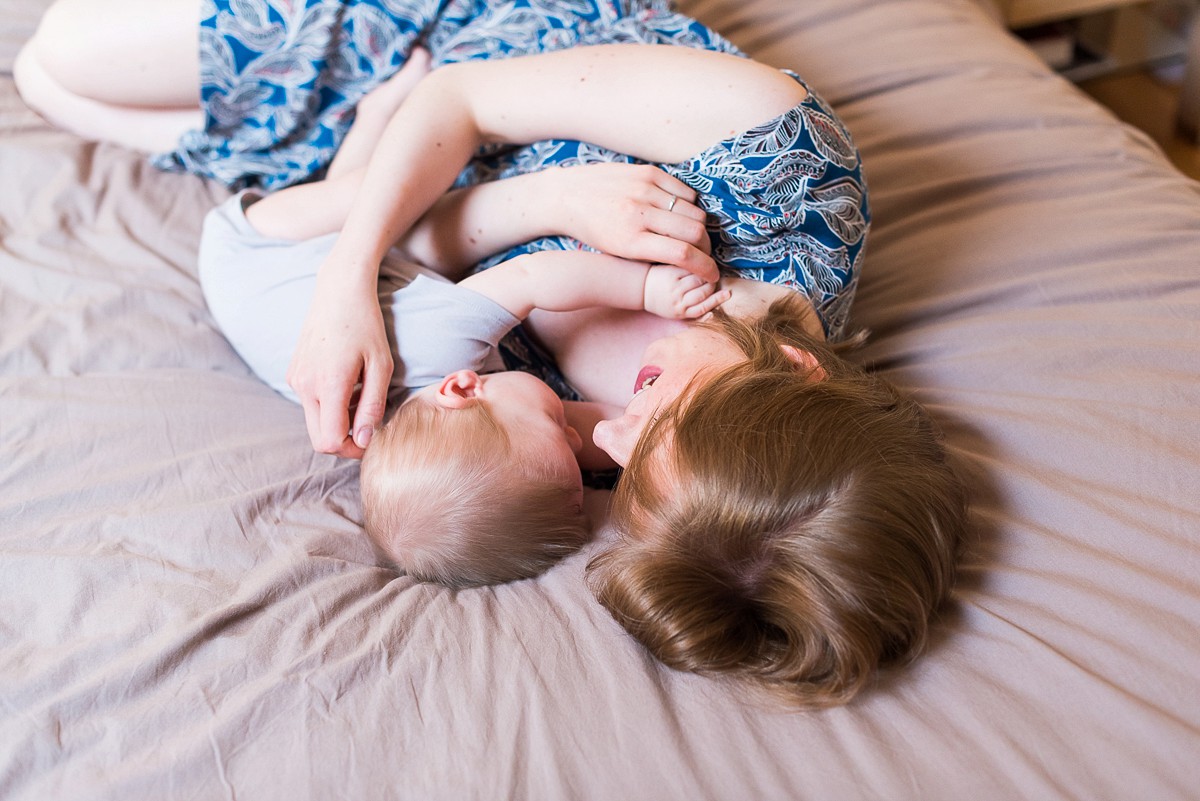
[785,517]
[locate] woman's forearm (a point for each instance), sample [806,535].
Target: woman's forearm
[467,225]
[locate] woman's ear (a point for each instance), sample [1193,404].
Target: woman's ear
[458,390]
[806,361]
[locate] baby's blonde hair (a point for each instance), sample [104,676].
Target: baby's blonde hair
[449,498]
[789,529]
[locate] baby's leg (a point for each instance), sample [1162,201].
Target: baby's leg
[374,112]
[126,72]
[320,207]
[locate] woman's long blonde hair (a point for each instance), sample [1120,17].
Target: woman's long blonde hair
[789,528]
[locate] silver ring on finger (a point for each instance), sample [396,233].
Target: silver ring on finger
[671,205]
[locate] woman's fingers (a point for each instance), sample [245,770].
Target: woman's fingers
[333,422]
[327,410]
[664,249]
[683,208]
[678,224]
[672,185]
[312,418]
[685,224]
[372,402]
[642,213]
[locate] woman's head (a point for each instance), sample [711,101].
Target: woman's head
[672,365]
[788,519]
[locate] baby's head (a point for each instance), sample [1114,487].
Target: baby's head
[786,518]
[474,481]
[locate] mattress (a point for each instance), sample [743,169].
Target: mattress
[189,608]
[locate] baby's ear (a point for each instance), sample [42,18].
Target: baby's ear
[458,390]
[806,361]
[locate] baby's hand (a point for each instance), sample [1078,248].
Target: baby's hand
[677,294]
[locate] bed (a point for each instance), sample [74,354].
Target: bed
[188,609]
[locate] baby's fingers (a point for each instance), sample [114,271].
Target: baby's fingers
[702,307]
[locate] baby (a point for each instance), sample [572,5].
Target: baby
[476,477]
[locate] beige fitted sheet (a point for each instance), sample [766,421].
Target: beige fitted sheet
[188,609]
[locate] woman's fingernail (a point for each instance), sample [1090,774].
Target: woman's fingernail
[362,437]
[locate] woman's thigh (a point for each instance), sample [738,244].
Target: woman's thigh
[124,52]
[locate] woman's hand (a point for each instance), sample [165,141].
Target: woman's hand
[635,211]
[677,294]
[342,344]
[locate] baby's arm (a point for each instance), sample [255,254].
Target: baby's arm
[568,280]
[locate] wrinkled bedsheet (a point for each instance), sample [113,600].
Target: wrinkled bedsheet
[188,609]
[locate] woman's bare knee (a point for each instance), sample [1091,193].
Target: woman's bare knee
[151,129]
[62,48]
[131,52]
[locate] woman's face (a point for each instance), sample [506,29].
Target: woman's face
[668,366]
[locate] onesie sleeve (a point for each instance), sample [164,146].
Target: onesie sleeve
[440,327]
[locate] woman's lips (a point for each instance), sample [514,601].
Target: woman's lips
[649,371]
